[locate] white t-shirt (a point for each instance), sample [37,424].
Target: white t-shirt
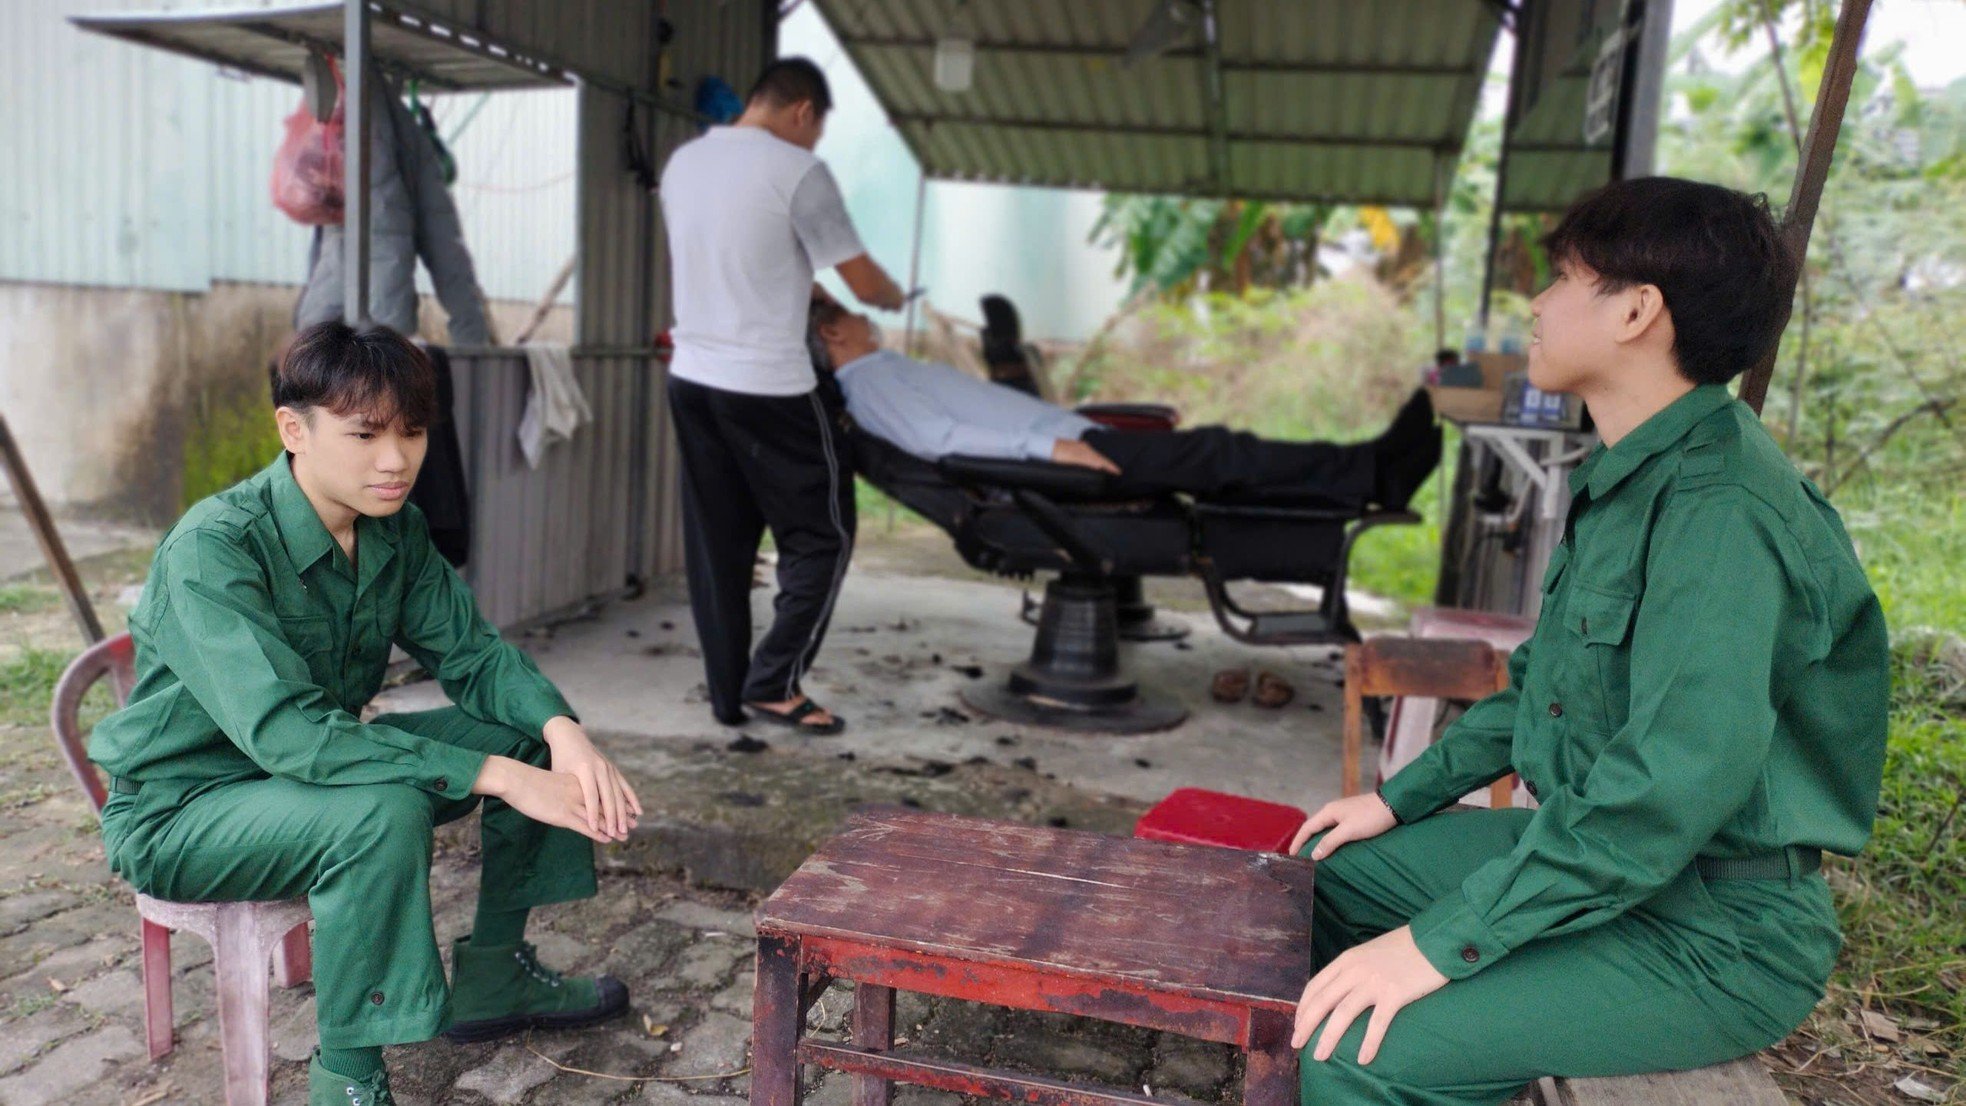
[750,218]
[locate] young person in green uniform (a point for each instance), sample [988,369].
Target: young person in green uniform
[1699,714]
[241,769]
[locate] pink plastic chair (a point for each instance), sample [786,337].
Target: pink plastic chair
[243,935]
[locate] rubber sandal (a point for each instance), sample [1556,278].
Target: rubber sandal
[794,718]
[1273,691]
[1230,685]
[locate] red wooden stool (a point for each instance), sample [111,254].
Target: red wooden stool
[1193,816]
[1205,942]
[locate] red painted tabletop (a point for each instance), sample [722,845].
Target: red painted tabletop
[1190,919]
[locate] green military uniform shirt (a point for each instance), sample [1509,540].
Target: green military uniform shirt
[1709,678]
[258,644]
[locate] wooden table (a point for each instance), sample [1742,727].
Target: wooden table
[1207,942]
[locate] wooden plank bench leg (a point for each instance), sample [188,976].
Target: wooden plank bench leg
[873,1028]
[1270,1071]
[777,1020]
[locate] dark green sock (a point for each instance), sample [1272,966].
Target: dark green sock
[353,1063]
[495,928]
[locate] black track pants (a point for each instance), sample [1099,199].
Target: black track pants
[750,462]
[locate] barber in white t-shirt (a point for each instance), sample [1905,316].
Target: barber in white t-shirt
[751,214]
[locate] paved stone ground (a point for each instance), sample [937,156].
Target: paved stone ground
[71,1020]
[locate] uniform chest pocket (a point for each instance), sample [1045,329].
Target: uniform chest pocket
[1600,682]
[310,635]
[1600,617]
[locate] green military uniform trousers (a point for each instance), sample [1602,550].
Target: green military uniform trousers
[1702,972]
[361,856]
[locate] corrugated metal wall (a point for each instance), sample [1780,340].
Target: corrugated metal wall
[546,539]
[135,168]
[605,505]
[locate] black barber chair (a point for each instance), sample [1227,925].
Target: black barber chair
[1019,518]
[1015,363]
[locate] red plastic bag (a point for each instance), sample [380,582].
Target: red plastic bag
[307,170]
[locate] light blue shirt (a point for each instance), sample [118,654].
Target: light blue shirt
[934,410]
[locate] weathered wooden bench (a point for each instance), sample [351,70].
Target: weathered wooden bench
[1742,1082]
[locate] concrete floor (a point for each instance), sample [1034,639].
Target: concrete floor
[908,636]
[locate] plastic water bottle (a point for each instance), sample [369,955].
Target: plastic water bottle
[1512,337]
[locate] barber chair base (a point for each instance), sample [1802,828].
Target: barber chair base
[1074,679]
[1138,620]
[1140,714]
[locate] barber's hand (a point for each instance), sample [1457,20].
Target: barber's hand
[550,798]
[891,298]
[610,804]
[1384,973]
[1071,451]
[1352,819]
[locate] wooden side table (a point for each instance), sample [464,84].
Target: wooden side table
[1206,942]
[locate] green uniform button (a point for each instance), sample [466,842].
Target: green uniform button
[1471,954]
[376,998]
[1556,710]
[443,783]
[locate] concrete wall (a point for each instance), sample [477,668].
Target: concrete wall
[108,390]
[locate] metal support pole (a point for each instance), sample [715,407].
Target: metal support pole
[1502,173]
[1642,91]
[915,262]
[355,163]
[1832,96]
[42,523]
[1443,169]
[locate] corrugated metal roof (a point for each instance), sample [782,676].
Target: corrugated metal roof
[275,42]
[1319,99]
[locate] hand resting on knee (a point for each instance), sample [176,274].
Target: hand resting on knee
[554,798]
[1356,818]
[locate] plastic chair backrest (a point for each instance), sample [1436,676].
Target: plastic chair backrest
[114,657]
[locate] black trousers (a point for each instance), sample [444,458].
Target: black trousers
[1213,460]
[751,462]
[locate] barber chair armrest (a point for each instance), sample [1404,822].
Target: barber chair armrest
[1131,416]
[1066,481]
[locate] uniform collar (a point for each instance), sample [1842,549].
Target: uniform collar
[1606,468]
[306,537]
[301,529]
[864,359]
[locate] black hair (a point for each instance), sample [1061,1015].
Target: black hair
[787,81]
[821,312]
[1445,356]
[373,371]
[1715,254]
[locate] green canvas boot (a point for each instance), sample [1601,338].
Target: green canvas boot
[496,992]
[325,1088]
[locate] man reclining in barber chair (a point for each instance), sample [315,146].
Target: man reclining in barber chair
[1024,486]
[933,410]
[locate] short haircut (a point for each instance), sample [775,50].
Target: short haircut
[788,81]
[1446,356]
[373,372]
[1715,254]
[822,312]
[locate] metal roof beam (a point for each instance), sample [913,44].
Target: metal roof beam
[329,48]
[1138,130]
[1118,53]
[1214,96]
[1190,188]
